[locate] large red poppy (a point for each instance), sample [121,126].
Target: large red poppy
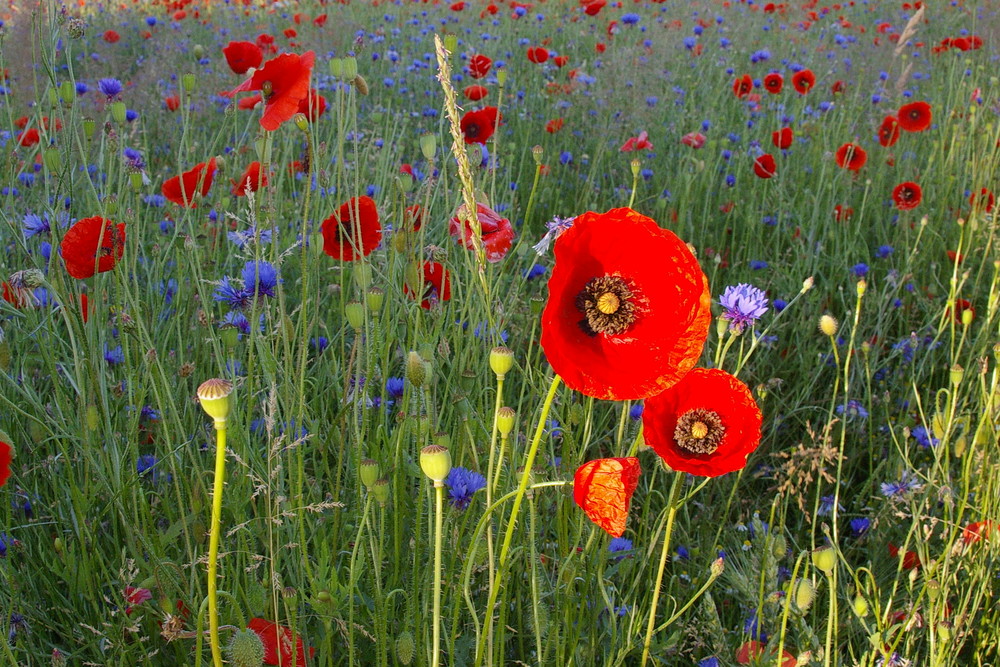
[888,131]
[803,81]
[914,117]
[251,180]
[182,189]
[283,83]
[764,166]
[783,138]
[742,86]
[773,83]
[478,126]
[241,56]
[437,284]
[628,308]
[907,195]
[354,231]
[603,489]
[279,639]
[537,54]
[496,231]
[5,460]
[92,245]
[479,66]
[707,424]
[851,156]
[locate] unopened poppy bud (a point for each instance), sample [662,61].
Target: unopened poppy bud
[967,316]
[360,85]
[67,91]
[188,82]
[58,546]
[53,97]
[230,335]
[350,67]
[336,67]
[355,312]
[135,179]
[214,398]
[805,593]
[824,558]
[721,324]
[416,369]
[428,145]
[955,374]
[58,658]
[860,606]
[502,76]
[501,360]
[301,122]
[828,326]
[118,112]
[435,461]
[405,182]
[405,647]
[324,596]
[246,649]
[944,630]
[717,567]
[862,286]
[362,274]
[505,420]
[369,472]
[451,42]
[374,298]
[536,153]
[807,285]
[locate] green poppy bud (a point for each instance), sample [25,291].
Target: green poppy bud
[825,558]
[369,472]
[355,313]
[246,649]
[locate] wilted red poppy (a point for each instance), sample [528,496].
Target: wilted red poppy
[92,245]
[603,489]
[279,639]
[915,116]
[5,460]
[110,36]
[241,56]
[496,231]
[773,83]
[888,131]
[437,284]
[640,143]
[764,166]
[478,126]
[475,93]
[742,86]
[28,137]
[907,195]
[19,297]
[706,424]
[803,81]
[537,54]
[911,559]
[313,105]
[251,180]
[283,83]
[479,66]
[783,138]
[851,156]
[984,200]
[181,189]
[554,125]
[354,231]
[628,308]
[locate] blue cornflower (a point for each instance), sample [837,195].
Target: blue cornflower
[757,264]
[904,486]
[752,627]
[113,356]
[249,236]
[619,545]
[149,413]
[319,343]
[35,225]
[709,662]
[237,297]
[552,428]
[923,436]
[860,526]
[490,333]
[883,251]
[859,270]
[110,88]
[394,387]
[536,271]
[630,18]
[6,542]
[826,506]
[150,21]
[260,277]
[462,484]
[744,304]
[147,464]
[852,408]
[556,226]
[682,553]
[635,412]
[235,318]
[565,158]
[133,159]
[17,624]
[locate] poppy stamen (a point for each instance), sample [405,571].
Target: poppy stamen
[266,90]
[699,431]
[608,305]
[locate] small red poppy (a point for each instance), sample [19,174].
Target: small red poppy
[538,55]
[842,213]
[773,83]
[971,534]
[354,231]
[478,126]
[414,216]
[752,650]
[907,195]
[182,189]
[251,180]
[603,489]
[496,231]
[241,56]
[554,125]
[5,461]
[984,200]
[436,281]
[915,116]
[628,309]
[837,87]
[283,82]
[320,21]
[851,156]
[561,61]
[475,93]
[290,33]
[172,103]
[706,424]
[28,137]
[888,131]
[803,81]
[783,138]
[911,559]
[594,7]
[961,305]
[479,66]
[742,86]
[92,245]
[279,639]
[764,166]
[600,47]
[110,36]
[312,105]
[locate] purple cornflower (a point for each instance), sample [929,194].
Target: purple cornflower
[110,88]
[904,486]
[35,225]
[260,277]
[133,159]
[923,436]
[852,408]
[556,227]
[113,356]
[860,526]
[394,387]
[236,297]
[462,484]
[826,506]
[250,235]
[744,304]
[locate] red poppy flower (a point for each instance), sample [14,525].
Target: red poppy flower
[693,139]
[837,87]
[110,36]
[92,245]
[907,195]
[496,232]
[313,105]
[478,126]
[783,138]
[284,83]
[475,93]
[320,20]
[594,7]
[971,534]
[603,489]
[182,189]
[888,131]
[247,103]
[842,213]
[561,61]
[538,55]
[479,66]
[764,166]
[707,424]
[28,137]
[753,650]
[600,47]
[414,216]
[773,83]
[172,103]
[803,81]
[911,559]
[241,56]
[251,180]
[354,231]
[915,116]
[5,461]
[279,639]
[851,156]
[290,33]
[742,86]
[628,308]
[21,122]
[984,200]
[554,125]
[640,143]
[437,284]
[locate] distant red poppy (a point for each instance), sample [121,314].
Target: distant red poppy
[290,33]
[313,105]
[320,20]
[851,156]
[783,138]
[354,231]
[437,284]
[283,82]
[457,6]
[251,180]
[478,126]
[773,83]
[961,305]
[110,36]
[742,86]
[600,47]
[561,61]
[479,66]
[92,245]
[803,81]
[984,200]
[888,131]
[5,461]
[603,489]
[911,559]
[842,213]
[182,189]
[693,139]
[915,116]
[628,309]
[28,137]
[172,102]
[639,143]
[279,639]
[414,217]
[907,195]
[475,93]
[837,87]
[538,55]
[971,534]
[496,231]
[241,56]
[764,166]
[752,650]
[554,125]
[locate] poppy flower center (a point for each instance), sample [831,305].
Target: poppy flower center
[266,90]
[472,130]
[608,306]
[699,431]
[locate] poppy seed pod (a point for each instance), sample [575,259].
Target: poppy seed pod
[501,361]
[380,491]
[435,461]
[505,420]
[369,472]
[825,558]
[350,67]
[188,82]
[336,67]
[355,313]
[374,298]
[428,145]
[416,369]
[214,398]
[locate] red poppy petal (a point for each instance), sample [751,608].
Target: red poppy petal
[5,461]
[603,489]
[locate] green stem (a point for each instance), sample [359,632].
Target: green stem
[671,513]
[438,530]
[213,543]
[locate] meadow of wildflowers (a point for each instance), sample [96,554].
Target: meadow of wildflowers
[493,333]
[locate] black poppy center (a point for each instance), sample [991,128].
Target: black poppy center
[472,130]
[699,431]
[608,306]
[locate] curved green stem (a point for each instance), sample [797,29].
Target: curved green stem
[213,544]
[671,513]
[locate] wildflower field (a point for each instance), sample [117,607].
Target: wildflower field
[500,333]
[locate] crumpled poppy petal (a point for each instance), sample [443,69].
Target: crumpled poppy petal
[603,489]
